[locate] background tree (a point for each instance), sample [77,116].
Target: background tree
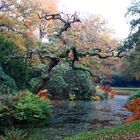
[132,62]
[93,32]
[69,53]
[14,25]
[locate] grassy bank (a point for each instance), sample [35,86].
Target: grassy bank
[118,132]
[126,88]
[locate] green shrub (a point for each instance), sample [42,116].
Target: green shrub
[135,95]
[31,108]
[58,88]
[36,74]
[7,84]
[102,94]
[16,68]
[80,84]
[65,82]
[19,71]
[35,84]
[37,71]
[27,108]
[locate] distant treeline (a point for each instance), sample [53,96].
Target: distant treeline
[120,81]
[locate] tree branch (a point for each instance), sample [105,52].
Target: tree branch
[69,48]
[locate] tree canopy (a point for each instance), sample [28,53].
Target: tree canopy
[79,42]
[133,41]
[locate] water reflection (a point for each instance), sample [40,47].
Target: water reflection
[71,117]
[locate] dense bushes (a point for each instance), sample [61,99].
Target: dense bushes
[25,107]
[7,84]
[36,75]
[19,71]
[16,68]
[65,82]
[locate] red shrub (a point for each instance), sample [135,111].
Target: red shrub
[134,107]
[43,94]
[107,90]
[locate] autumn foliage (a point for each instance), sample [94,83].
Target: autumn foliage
[134,107]
[103,92]
[107,89]
[43,94]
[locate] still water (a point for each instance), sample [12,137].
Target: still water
[72,117]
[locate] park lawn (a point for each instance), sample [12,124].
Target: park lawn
[126,88]
[118,132]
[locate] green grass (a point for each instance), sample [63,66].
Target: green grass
[126,88]
[134,95]
[118,132]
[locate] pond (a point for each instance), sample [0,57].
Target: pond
[72,117]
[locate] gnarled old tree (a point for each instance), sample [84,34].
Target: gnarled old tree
[69,50]
[23,17]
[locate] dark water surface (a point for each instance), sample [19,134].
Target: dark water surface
[72,117]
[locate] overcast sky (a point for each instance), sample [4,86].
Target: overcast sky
[112,10]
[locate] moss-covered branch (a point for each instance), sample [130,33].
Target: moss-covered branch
[69,50]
